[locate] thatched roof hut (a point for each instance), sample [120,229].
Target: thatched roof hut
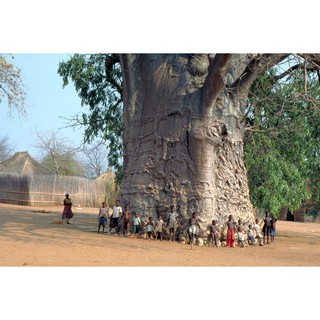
[297,215]
[22,163]
[111,192]
[24,181]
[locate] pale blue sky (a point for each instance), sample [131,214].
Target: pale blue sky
[46,102]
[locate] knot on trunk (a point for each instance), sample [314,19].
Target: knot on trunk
[210,131]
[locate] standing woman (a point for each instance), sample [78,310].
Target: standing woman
[67,213]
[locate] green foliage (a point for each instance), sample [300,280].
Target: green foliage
[282,142]
[63,165]
[99,88]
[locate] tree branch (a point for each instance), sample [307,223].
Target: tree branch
[282,75]
[293,68]
[110,61]
[251,129]
[215,81]
[258,65]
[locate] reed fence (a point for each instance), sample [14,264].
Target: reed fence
[49,190]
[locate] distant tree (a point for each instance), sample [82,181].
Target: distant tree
[94,159]
[5,148]
[66,164]
[12,89]
[58,155]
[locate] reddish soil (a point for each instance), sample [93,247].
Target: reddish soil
[29,237]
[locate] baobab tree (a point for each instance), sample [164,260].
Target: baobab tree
[183,132]
[184,119]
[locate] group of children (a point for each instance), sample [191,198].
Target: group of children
[152,229]
[155,229]
[268,231]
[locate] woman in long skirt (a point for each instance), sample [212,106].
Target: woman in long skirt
[67,213]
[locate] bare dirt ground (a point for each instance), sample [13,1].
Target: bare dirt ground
[29,238]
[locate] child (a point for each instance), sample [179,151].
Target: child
[213,234]
[266,227]
[251,236]
[117,209]
[258,233]
[159,228]
[240,233]
[149,228]
[193,223]
[172,222]
[230,232]
[126,221]
[102,216]
[273,228]
[136,225]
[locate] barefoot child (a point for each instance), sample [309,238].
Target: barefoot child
[136,224]
[273,228]
[126,220]
[213,234]
[240,233]
[193,224]
[230,232]
[266,227]
[256,228]
[172,222]
[159,228]
[150,228]
[103,216]
[251,236]
[115,217]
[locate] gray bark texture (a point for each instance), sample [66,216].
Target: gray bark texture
[183,135]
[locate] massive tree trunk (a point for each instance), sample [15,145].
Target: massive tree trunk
[183,135]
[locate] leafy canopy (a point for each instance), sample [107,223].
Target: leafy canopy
[97,80]
[282,141]
[62,164]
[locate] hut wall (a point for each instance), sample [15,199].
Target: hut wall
[14,188]
[49,190]
[299,214]
[283,213]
